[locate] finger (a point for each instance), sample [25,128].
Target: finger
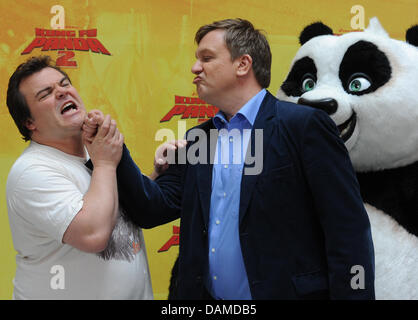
[159,159]
[112,129]
[119,139]
[95,112]
[90,115]
[86,128]
[116,136]
[161,162]
[87,121]
[104,128]
[159,151]
[182,143]
[167,152]
[88,131]
[163,149]
[95,117]
[171,147]
[179,143]
[87,139]
[91,122]
[98,119]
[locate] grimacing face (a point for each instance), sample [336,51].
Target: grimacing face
[56,107]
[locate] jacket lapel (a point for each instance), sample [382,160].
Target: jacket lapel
[204,173]
[263,121]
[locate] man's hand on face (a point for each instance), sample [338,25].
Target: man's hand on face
[105,148]
[161,156]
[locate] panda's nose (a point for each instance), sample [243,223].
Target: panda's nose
[329,105]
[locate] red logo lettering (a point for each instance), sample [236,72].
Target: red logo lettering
[191,107]
[64,59]
[66,40]
[173,241]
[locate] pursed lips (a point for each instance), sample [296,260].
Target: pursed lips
[197,79]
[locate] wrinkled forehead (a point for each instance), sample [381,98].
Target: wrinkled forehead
[40,80]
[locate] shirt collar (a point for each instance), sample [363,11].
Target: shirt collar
[248,111]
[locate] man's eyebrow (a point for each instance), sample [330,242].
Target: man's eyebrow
[65,78]
[40,91]
[203,51]
[49,87]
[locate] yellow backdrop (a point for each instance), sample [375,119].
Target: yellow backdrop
[151,53]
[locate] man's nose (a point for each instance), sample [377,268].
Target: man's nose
[60,92]
[197,67]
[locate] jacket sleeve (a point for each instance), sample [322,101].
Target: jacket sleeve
[340,209]
[146,202]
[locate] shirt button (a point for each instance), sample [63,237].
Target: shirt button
[213,249]
[231,139]
[226,166]
[218,222]
[214,278]
[224,194]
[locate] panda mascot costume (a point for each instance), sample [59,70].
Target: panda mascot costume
[368,84]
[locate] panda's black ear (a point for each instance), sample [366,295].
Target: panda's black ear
[412,35]
[313,30]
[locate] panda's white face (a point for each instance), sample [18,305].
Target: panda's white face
[368,84]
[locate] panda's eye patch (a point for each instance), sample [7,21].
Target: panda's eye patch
[359,82]
[308,82]
[365,61]
[293,85]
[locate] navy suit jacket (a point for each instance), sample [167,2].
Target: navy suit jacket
[303,226]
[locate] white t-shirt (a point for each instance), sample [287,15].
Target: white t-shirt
[45,190]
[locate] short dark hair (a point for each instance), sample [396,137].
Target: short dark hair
[16,102]
[242,38]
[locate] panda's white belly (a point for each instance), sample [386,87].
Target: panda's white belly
[396,257]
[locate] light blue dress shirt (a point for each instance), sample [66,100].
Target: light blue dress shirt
[227,278]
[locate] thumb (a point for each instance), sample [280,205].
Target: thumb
[161,161]
[86,138]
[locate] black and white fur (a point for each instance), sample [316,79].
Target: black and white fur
[368,83]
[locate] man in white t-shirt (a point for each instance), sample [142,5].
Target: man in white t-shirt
[70,234]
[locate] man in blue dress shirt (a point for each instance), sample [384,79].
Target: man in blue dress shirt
[224,244]
[288,225]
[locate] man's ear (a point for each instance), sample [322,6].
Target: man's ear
[30,125]
[245,63]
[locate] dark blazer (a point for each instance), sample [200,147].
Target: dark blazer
[302,224]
